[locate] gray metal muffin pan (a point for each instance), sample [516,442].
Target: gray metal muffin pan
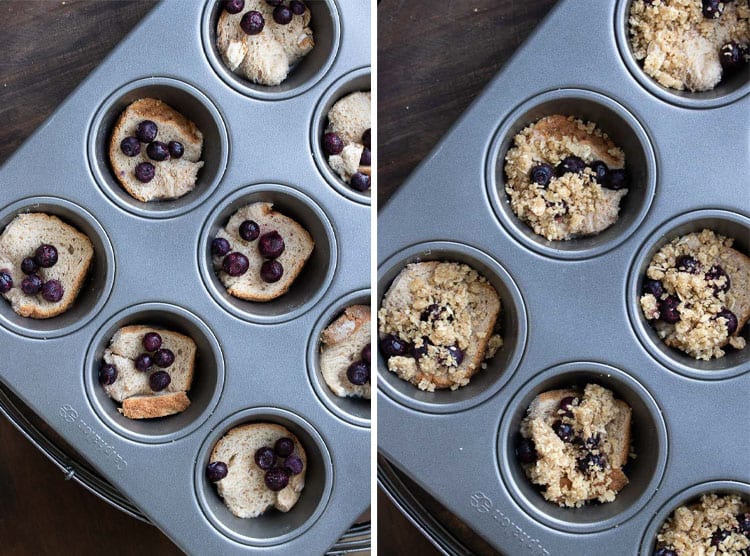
[152,266]
[576,304]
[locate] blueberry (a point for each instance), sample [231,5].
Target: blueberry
[176,149]
[668,311]
[146,131]
[417,352]
[601,171]
[592,441]
[249,230]
[526,451]
[367,353]
[432,312]
[360,181]
[686,263]
[6,282]
[157,151]
[617,179]
[265,458]
[107,374]
[145,172]
[220,247]
[358,373]
[46,255]
[234,6]
[731,56]
[456,356]
[366,158]
[31,284]
[52,291]
[719,536]
[571,164]
[143,362]
[711,9]
[590,462]
[216,471]
[665,552]
[297,7]
[284,447]
[271,271]
[567,404]
[743,523]
[731,319]
[563,430]
[276,479]
[163,358]
[332,144]
[654,287]
[393,345]
[541,174]
[159,380]
[715,273]
[28,266]
[235,264]
[151,341]
[271,245]
[293,465]
[130,146]
[252,22]
[282,15]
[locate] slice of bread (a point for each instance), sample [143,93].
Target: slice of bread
[132,388]
[21,238]
[298,247]
[243,489]
[341,344]
[174,177]
[480,305]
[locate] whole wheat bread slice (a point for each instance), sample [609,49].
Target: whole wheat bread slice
[21,238]
[341,344]
[132,388]
[243,489]
[174,177]
[298,247]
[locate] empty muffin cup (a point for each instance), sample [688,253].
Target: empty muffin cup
[315,277]
[648,438]
[730,89]
[725,223]
[326,27]
[189,102]
[512,320]
[204,393]
[95,289]
[355,81]
[273,527]
[624,130]
[352,410]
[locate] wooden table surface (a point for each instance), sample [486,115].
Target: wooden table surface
[434,58]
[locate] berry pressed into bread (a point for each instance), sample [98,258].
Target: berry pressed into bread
[575,443]
[155,151]
[256,467]
[346,141]
[149,371]
[260,41]
[43,264]
[345,353]
[437,324]
[260,252]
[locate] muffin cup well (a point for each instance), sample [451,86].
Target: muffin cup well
[513,328]
[626,132]
[208,380]
[357,80]
[726,223]
[96,287]
[729,90]
[316,275]
[273,527]
[189,102]
[353,410]
[648,437]
[326,26]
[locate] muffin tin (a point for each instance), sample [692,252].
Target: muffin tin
[152,265]
[571,313]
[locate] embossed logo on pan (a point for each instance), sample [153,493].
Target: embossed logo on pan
[483,505]
[70,415]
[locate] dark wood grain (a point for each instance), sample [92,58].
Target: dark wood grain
[434,58]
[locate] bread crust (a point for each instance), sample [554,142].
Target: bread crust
[150,407]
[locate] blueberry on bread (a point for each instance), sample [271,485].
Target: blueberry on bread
[345,353]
